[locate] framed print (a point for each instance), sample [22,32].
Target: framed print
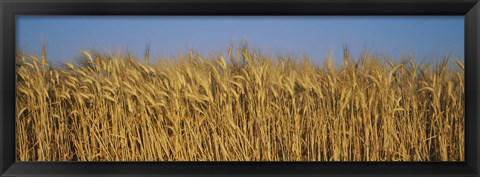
[249,88]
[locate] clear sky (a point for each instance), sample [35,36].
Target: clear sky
[426,37]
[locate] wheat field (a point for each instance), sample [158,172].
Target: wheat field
[241,106]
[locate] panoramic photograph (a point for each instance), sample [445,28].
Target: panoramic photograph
[240,88]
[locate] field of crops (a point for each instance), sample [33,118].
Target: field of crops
[243,106]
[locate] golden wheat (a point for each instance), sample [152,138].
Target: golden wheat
[250,107]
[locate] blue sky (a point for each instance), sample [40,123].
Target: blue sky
[426,37]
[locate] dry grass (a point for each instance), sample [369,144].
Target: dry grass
[241,107]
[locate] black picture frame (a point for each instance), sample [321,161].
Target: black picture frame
[470,9]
